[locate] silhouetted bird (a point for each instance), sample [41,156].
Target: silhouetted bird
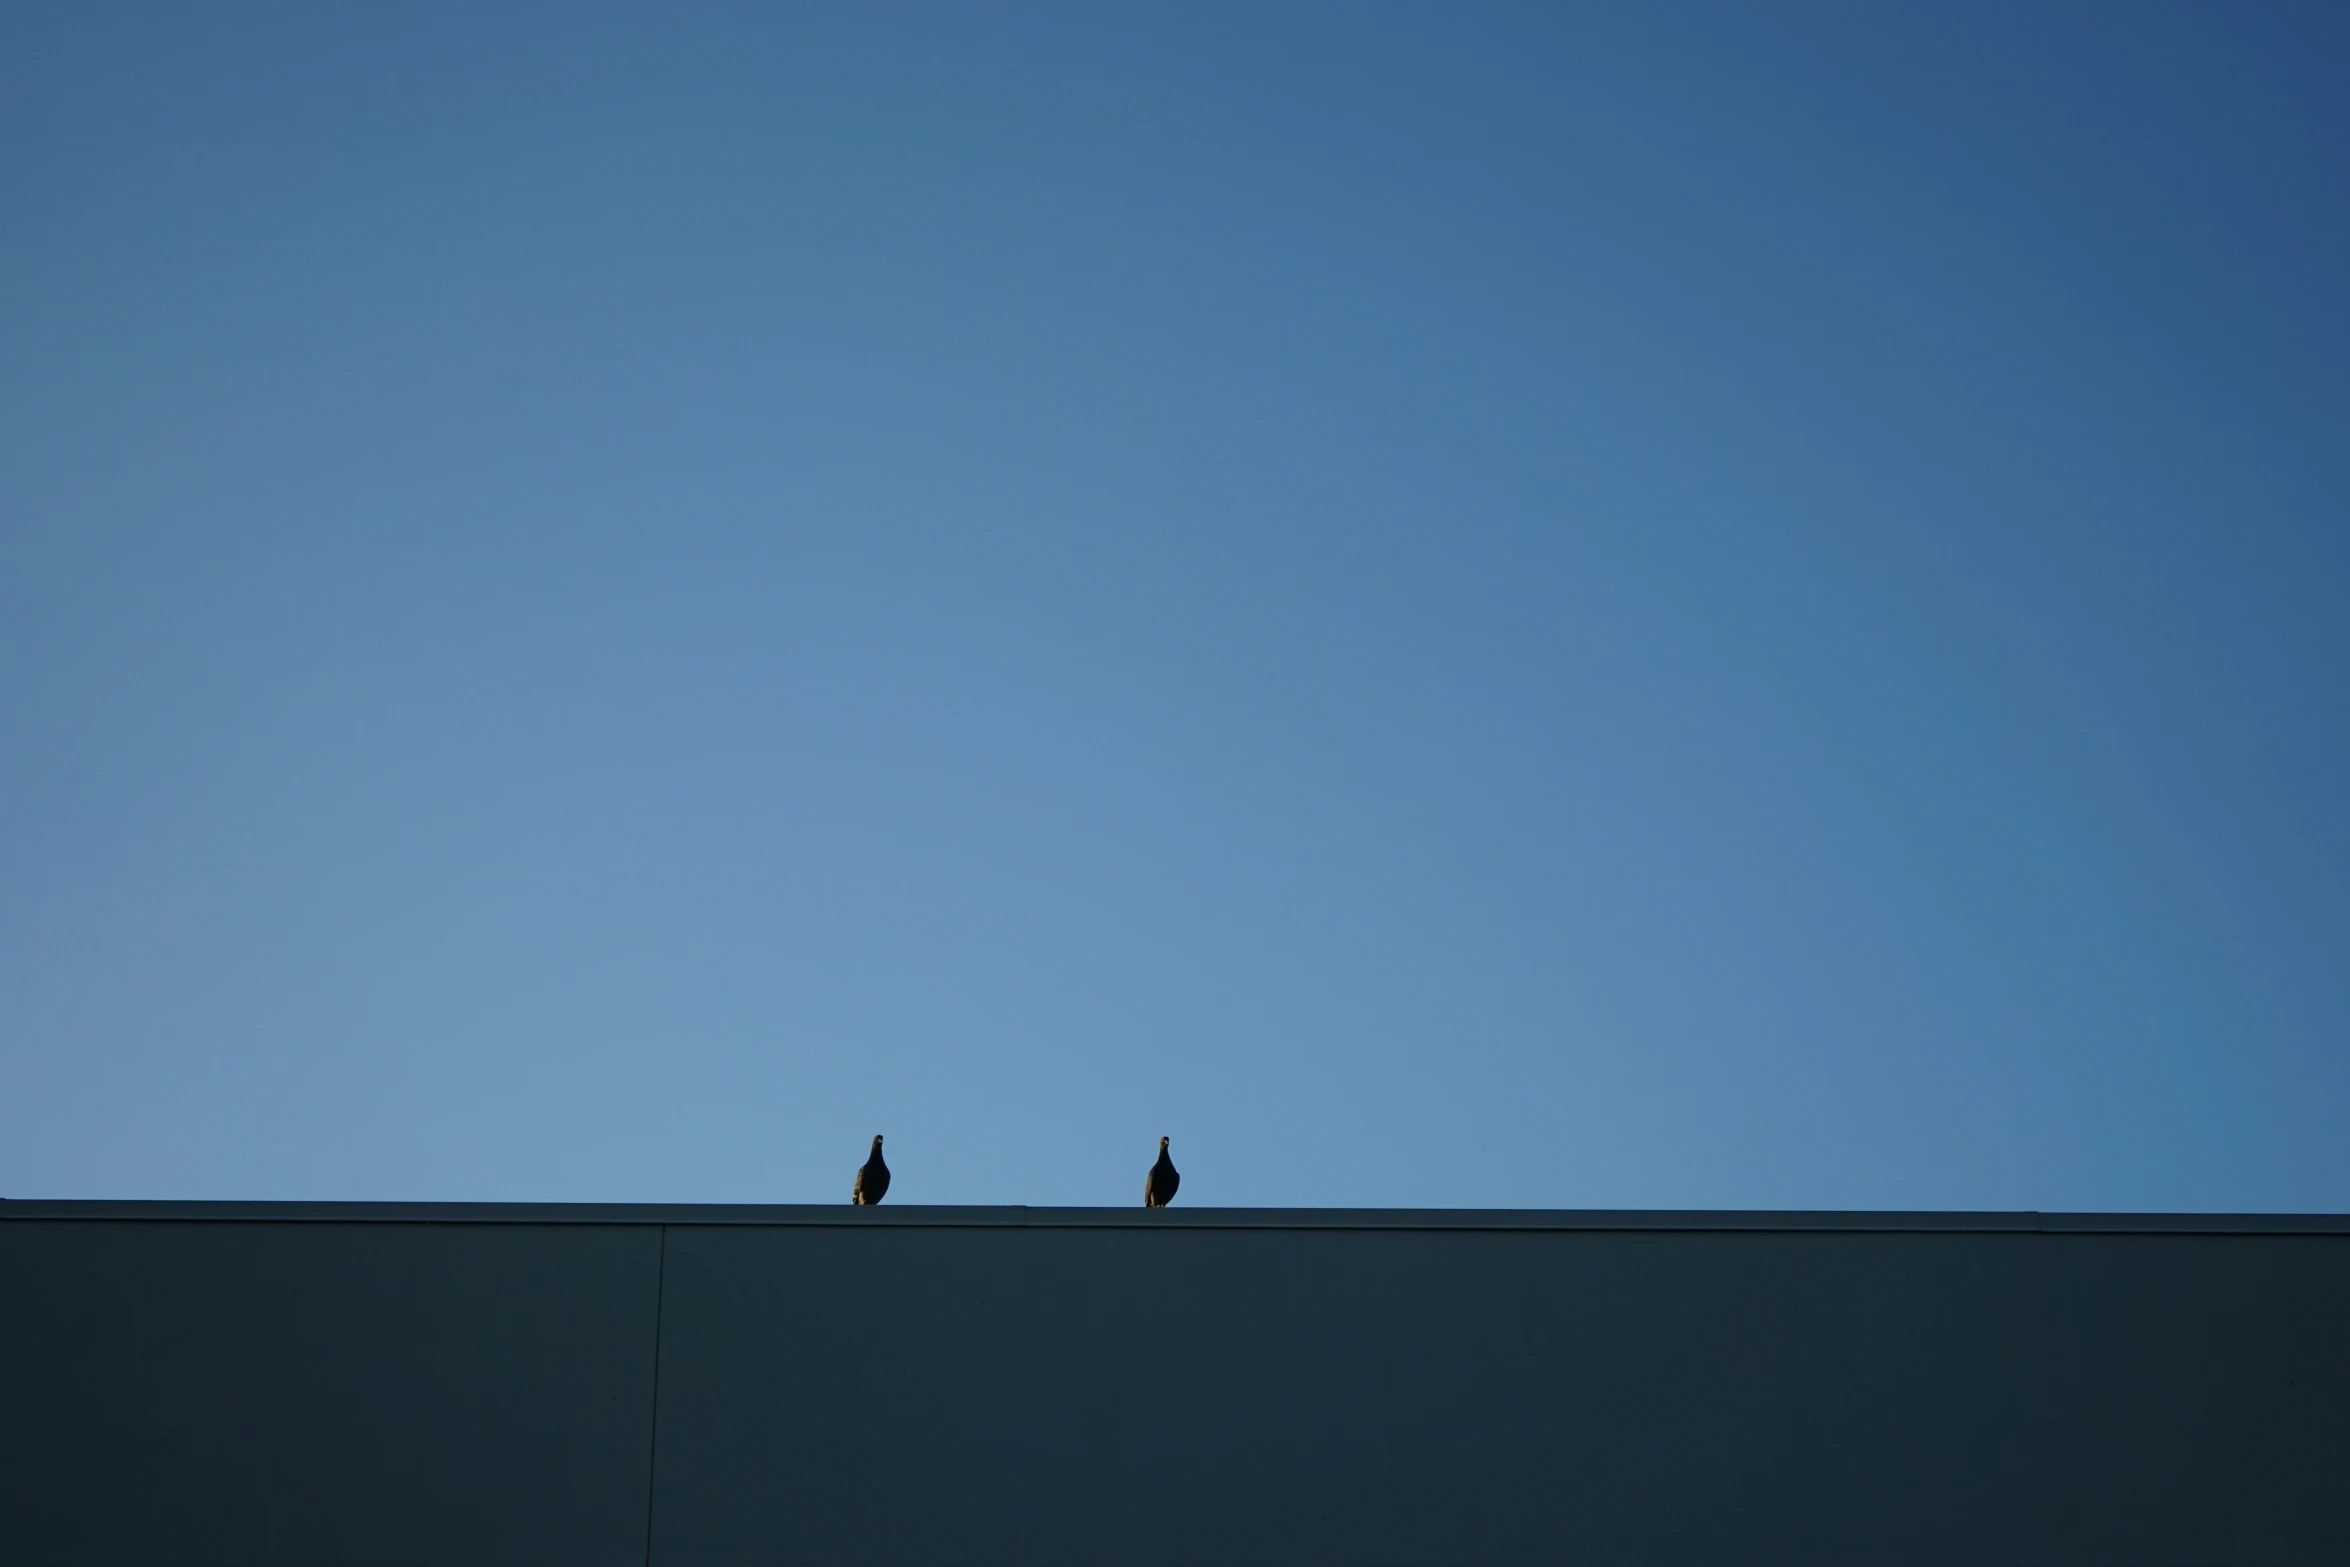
[872,1179]
[1159,1190]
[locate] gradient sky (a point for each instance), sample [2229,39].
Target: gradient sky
[1618,607]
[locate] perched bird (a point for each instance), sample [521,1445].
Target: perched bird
[873,1179]
[1159,1189]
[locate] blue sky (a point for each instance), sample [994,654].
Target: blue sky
[1617,607]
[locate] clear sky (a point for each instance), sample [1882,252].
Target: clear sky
[1555,607]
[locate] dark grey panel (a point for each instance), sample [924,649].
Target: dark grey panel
[902,1385]
[1194,1394]
[899,1395]
[318,1393]
[2194,1400]
[1210,1397]
[1713,1398]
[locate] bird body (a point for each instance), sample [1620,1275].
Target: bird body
[872,1179]
[1158,1189]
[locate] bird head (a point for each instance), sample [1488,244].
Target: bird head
[877,1139]
[1162,1145]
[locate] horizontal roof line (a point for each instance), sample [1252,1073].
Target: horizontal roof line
[902,1216]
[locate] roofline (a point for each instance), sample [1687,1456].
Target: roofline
[911,1216]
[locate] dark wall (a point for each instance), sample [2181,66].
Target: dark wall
[286,1392]
[997,1386]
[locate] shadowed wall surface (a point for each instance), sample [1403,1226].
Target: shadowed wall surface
[316,1384]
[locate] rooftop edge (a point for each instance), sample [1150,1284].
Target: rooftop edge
[984,1217]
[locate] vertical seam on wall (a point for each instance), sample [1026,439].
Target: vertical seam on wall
[1394,1531]
[653,1438]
